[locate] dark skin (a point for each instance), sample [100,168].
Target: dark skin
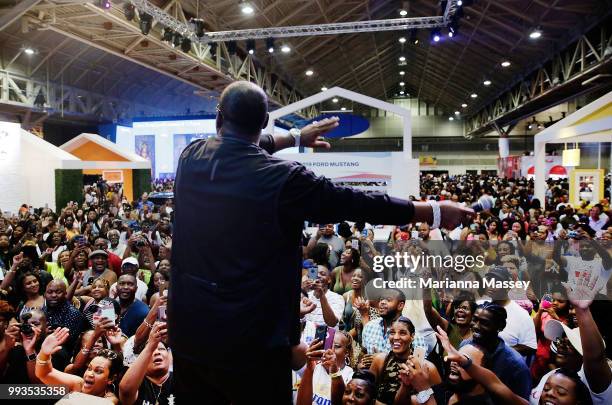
[485,329]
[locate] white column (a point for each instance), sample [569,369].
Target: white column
[540,172]
[504,147]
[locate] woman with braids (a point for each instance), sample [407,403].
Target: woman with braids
[99,378]
[327,371]
[386,366]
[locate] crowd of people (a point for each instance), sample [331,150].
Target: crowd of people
[84,295]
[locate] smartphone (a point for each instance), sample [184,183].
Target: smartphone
[108,311]
[161,313]
[547,301]
[313,273]
[329,340]
[364,233]
[419,354]
[414,235]
[321,333]
[355,244]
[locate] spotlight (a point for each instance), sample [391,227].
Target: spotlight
[198,26]
[246,8]
[231,47]
[167,35]
[105,4]
[457,112]
[177,39]
[505,63]
[270,45]
[29,51]
[402,73]
[309,72]
[435,35]
[285,49]
[334,100]
[402,40]
[487,82]
[129,11]
[186,45]
[535,34]
[402,59]
[401,93]
[402,84]
[451,119]
[460,3]
[146,21]
[323,88]
[250,44]
[414,37]
[453,30]
[403,13]
[213,50]
[463,105]
[343,109]
[473,95]
[530,126]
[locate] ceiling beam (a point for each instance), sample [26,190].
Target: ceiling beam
[16,12]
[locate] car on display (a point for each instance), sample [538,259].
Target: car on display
[160,197]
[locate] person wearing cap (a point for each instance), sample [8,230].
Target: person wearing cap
[114,261]
[488,321]
[519,332]
[581,349]
[130,266]
[99,269]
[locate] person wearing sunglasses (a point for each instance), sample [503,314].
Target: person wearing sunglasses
[98,379]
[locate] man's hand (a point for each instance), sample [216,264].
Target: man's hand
[29,341]
[311,133]
[454,214]
[306,307]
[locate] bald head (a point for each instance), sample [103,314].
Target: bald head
[243,110]
[55,294]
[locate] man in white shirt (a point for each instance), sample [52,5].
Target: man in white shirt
[597,220]
[130,266]
[587,266]
[328,305]
[519,332]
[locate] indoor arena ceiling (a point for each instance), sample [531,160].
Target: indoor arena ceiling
[93,48]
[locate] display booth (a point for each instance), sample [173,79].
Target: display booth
[591,123]
[396,173]
[40,174]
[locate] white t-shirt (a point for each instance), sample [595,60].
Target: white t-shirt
[321,384]
[576,266]
[519,327]
[603,398]
[141,290]
[336,302]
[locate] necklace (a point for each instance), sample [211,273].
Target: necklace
[161,387]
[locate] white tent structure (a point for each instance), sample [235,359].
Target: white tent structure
[400,165]
[592,123]
[28,164]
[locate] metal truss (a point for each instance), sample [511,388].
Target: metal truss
[585,58]
[50,98]
[395,24]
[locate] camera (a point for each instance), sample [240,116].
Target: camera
[26,329]
[141,243]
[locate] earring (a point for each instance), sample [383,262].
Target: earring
[347,361]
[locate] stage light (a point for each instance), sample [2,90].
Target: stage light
[270,45]
[309,72]
[402,59]
[463,105]
[250,44]
[129,11]
[334,100]
[323,88]
[473,95]
[487,82]
[403,13]
[402,73]
[167,35]
[29,51]
[402,40]
[146,21]
[198,26]
[213,50]
[535,34]
[460,3]
[505,63]
[343,109]
[246,8]
[435,35]
[530,126]
[285,49]
[105,4]
[401,93]
[457,113]
[451,119]
[414,37]
[186,45]
[177,39]
[402,84]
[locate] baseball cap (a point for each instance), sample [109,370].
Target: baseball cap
[98,252]
[130,260]
[499,273]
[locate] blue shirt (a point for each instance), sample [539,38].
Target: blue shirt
[133,317]
[510,367]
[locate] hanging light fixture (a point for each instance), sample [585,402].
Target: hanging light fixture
[571,157]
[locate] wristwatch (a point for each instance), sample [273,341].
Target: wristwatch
[296,134]
[31,357]
[423,396]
